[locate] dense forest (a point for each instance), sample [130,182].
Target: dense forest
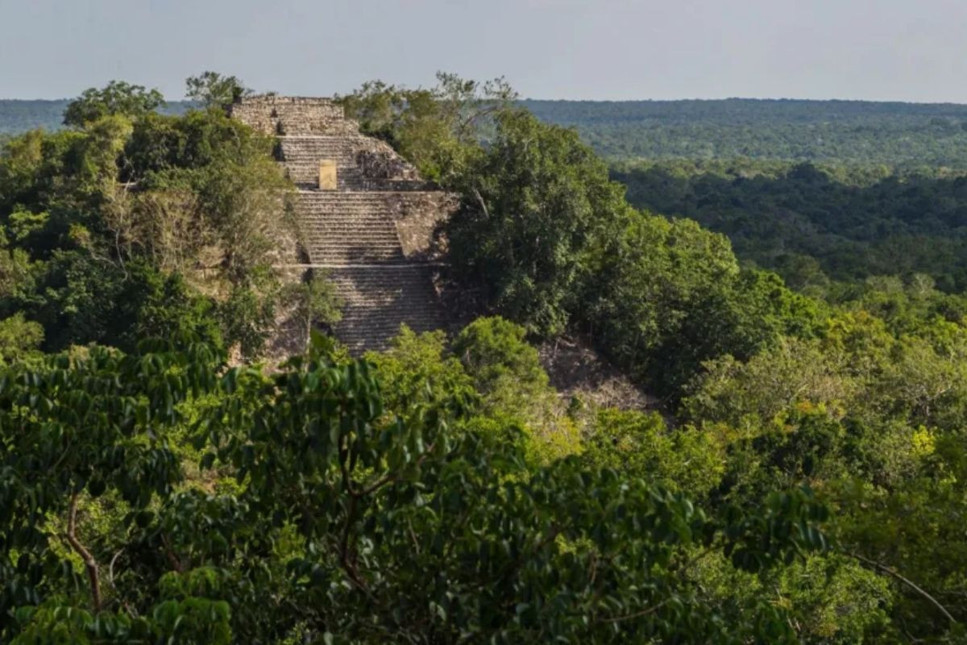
[851,132]
[20,115]
[801,479]
[815,224]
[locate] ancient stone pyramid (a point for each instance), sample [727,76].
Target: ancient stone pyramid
[366,216]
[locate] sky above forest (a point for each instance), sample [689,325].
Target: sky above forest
[573,49]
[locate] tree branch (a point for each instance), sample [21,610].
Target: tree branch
[173,559]
[906,581]
[483,205]
[637,614]
[347,564]
[89,562]
[110,568]
[344,557]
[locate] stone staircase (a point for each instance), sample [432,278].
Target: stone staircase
[370,236]
[352,237]
[348,227]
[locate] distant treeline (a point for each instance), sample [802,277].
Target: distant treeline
[18,116]
[853,132]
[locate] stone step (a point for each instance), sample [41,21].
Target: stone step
[321,238]
[341,149]
[346,218]
[370,233]
[344,181]
[350,235]
[309,173]
[348,257]
[367,198]
[343,249]
[349,217]
[311,196]
[376,213]
[375,208]
[392,201]
[388,209]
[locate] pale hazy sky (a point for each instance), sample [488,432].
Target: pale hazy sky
[911,50]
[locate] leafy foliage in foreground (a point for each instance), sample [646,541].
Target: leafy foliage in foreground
[329,512]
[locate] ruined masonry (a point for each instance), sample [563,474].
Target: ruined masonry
[367,218]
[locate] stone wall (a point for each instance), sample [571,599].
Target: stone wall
[292,115]
[417,216]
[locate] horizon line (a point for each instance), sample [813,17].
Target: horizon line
[603,100]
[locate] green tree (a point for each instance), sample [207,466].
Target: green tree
[640,445]
[334,521]
[116,98]
[314,301]
[437,129]
[19,338]
[418,370]
[514,388]
[505,369]
[212,89]
[532,206]
[665,296]
[80,243]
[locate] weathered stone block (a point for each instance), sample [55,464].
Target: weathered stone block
[328,175]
